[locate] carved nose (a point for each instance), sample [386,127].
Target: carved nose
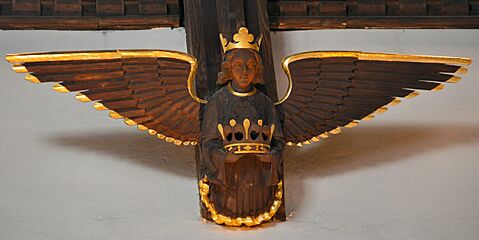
[245,69]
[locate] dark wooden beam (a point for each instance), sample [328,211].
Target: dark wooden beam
[54,23]
[280,23]
[256,19]
[384,14]
[283,15]
[87,23]
[258,23]
[202,41]
[202,34]
[231,16]
[88,14]
[140,22]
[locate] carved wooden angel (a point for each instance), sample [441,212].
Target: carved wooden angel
[242,134]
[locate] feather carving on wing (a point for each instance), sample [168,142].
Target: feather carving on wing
[331,90]
[145,88]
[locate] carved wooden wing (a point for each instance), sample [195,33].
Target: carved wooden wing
[336,89]
[146,88]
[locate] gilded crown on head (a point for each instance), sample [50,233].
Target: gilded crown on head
[249,137]
[242,39]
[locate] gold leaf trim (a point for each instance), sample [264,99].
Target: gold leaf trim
[141,127]
[352,124]
[17,61]
[368,117]
[387,57]
[152,132]
[31,78]
[60,88]
[130,122]
[249,221]
[438,88]
[64,56]
[82,97]
[19,68]
[220,129]
[114,115]
[246,124]
[99,106]
[461,70]
[454,79]
[394,102]
[412,95]
[241,94]
[335,131]
[380,110]
[373,57]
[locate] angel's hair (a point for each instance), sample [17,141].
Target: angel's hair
[225,75]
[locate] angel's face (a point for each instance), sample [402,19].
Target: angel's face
[243,68]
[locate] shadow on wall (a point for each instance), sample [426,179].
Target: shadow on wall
[136,147]
[366,146]
[355,148]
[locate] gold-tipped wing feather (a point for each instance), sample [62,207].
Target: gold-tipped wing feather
[146,88]
[337,89]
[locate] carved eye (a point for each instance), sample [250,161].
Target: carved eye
[239,136]
[229,137]
[254,135]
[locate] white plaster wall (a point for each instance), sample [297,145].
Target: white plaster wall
[69,172]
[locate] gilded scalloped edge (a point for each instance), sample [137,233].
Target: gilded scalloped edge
[152,132]
[462,62]
[394,102]
[60,88]
[142,127]
[19,68]
[249,221]
[454,79]
[115,115]
[17,59]
[82,97]
[98,106]
[31,78]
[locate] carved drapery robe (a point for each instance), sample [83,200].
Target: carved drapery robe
[245,187]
